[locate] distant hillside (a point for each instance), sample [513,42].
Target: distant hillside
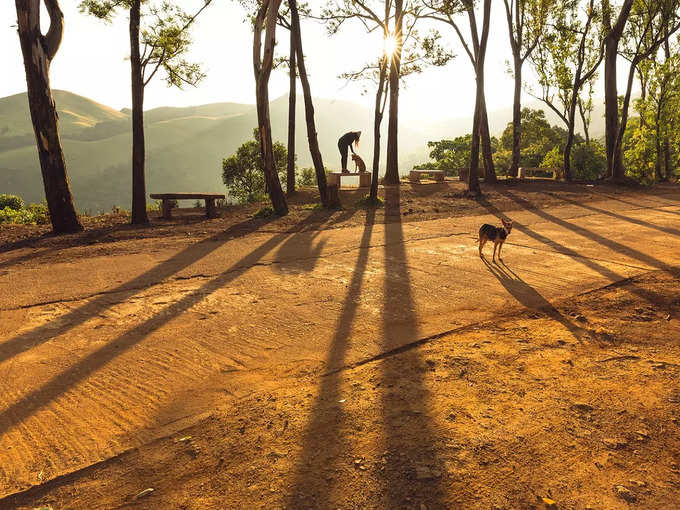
[185,146]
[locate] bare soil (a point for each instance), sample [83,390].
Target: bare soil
[513,413]
[357,367]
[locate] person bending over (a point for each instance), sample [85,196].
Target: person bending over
[344,143]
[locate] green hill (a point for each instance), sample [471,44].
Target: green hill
[185,146]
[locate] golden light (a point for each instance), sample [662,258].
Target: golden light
[390,45]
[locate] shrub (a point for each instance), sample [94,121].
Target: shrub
[34,214]
[12,201]
[307,177]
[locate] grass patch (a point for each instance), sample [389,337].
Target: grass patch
[312,207]
[369,203]
[265,212]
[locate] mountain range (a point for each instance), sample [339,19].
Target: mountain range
[185,146]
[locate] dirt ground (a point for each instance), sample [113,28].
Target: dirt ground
[316,378]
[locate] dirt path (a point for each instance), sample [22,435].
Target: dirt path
[109,352]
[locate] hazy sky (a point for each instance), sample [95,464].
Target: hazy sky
[92,62]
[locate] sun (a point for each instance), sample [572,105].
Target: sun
[390,45]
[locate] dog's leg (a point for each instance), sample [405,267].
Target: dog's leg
[500,246]
[482,242]
[493,257]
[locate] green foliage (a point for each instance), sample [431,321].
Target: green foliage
[639,151]
[164,37]
[33,214]
[306,177]
[265,212]
[451,155]
[243,172]
[537,139]
[12,201]
[588,161]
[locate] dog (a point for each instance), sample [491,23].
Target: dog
[496,235]
[360,165]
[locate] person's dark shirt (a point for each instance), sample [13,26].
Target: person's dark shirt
[348,139]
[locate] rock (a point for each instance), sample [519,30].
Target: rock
[615,444]
[582,406]
[144,493]
[581,318]
[674,398]
[638,483]
[624,493]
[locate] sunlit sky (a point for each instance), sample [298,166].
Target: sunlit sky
[92,62]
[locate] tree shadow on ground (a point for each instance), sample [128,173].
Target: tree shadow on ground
[18,411]
[635,221]
[596,266]
[322,440]
[413,469]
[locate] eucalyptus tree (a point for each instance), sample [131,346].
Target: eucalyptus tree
[612,36]
[566,60]
[447,11]
[38,51]
[160,45]
[417,51]
[263,61]
[309,106]
[527,21]
[651,24]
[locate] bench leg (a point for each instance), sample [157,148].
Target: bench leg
[334,180]
[167,209]
[210,210]
[439,177]
[364,180]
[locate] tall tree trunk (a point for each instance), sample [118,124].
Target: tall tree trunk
[584,121]
[516,117]
[611,45]
[139,215]
[570,136]
[380,97]
[262,63]
[666,142]
[292,96]
[473,176]
[309,106]
[657,159]
[392,164]
[38,52]
[487,154]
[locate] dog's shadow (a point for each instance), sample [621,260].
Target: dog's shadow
[527,296]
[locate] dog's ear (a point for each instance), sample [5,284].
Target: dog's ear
[507,223]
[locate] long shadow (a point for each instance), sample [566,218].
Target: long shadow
[22,258]
[589,234]
[409,434]
[60,384]
[173,265]
[635,221]
[628,202]
[571,253]
[529,297]
[321,446]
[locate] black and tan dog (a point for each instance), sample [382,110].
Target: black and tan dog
[496,235]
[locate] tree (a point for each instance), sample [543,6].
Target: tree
[527,20]
[538,138]
[445,11]
[565,60]
[416,52]
[243,172]
[161,45]
[38,51]
[612,36]
[266,19]
[650,25]
[309,106]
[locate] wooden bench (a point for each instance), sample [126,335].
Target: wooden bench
[364,178]
[437,175]
[524,172]
[210,210]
